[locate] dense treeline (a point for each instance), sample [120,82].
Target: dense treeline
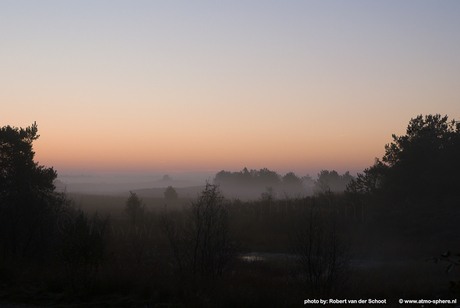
[250,184]
[29,205]
[419,165]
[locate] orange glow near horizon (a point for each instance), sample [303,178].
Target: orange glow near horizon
[102,153]
[290,86]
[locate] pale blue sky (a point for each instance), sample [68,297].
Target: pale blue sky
[136,86]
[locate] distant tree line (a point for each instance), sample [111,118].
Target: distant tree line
[290,184]
[332,181]
[263,177]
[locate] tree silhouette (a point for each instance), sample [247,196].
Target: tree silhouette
[421,164]
[292,185]
[166,178]
[268,178]
[203,247]
[332,181]
[321,256]
[170,194]
[28,203]
[370,181]
[263,177]
[134,208]
[83,248]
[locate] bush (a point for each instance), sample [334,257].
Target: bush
[83,248]
[322,259]
[203,247]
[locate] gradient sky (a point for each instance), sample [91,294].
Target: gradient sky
[174,86]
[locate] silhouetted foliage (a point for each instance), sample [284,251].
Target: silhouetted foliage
[135,208]
[252,183]
[370,181]
[332,181]
[291,179]
[166,178]
[267,177]
[28,203]
[452,261]
[171,194]
[292,185]
[263,177]
[322,258]
[421,164]
[203,247]
[269,195]
[83,248]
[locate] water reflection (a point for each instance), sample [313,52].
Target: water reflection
[266,256]
[252,258]
[286,258]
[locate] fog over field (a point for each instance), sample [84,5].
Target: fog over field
[122,183]
[187,185]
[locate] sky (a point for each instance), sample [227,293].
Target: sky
[176,87]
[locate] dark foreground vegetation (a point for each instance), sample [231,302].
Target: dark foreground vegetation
[371,241]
